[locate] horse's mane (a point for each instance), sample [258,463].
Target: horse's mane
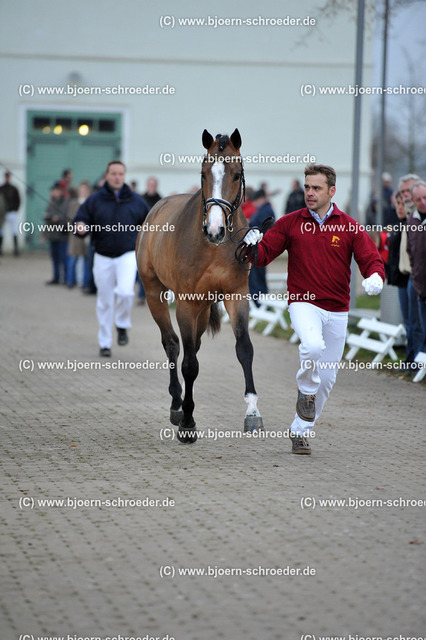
[222,141]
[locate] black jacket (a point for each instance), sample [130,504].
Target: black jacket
[11,195]
[393,274]
[114,221]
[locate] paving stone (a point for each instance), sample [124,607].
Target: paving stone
[95,435]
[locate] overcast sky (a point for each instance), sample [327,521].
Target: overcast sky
[407,30]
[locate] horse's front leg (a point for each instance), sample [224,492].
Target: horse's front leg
[238,311]
[186,316]
[157,302]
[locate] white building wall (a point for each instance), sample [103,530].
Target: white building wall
[232,76]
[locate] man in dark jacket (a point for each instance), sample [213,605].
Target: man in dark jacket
[113,216]
[257,277]
[56,233]
[151,195]
[416,247]
[296,199]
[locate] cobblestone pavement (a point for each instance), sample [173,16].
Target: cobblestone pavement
[245,510]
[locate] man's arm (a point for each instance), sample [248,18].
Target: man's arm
[369,262]
[83,218]
[269,246]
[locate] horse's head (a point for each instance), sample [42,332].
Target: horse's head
[222,184]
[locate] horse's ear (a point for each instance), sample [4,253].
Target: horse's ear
[236,139]
[207,139]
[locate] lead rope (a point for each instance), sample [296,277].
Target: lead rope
[245,252]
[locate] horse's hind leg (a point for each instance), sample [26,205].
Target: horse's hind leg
[238,314]
[157,299]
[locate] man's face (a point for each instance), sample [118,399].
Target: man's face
[151,186]
[317,193]
[405,190]
[83,191]
[116,176]
[400,209]
[419,198]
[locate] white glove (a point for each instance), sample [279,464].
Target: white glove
[253,236]
[373,285]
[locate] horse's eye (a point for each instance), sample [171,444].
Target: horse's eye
[203,175]
[237,177]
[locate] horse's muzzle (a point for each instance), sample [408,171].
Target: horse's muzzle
[216,238]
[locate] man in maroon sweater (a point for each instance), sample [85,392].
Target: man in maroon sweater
[320,240]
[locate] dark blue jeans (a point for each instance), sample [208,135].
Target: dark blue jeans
[416,311]
[58,253]
[257,283]
[422,314]
[405,311]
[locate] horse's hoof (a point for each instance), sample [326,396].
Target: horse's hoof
[176,416]
[186,435]
[253,423]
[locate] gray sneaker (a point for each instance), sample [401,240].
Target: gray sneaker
[305,407]
[300,445]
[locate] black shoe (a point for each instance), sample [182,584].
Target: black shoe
[300,445]
[53,282]
[122,337]
[305,407]
[105,352]
[409,367]
[404,367]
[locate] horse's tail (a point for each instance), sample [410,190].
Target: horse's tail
[214,320]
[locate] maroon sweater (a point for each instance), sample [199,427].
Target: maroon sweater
[319,256]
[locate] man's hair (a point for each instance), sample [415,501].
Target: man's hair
[417,183]
[328,172]
[406,178]
[114,162]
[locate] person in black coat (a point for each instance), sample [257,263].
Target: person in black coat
[113,216]
[296,199]
[394,276]
[257,277]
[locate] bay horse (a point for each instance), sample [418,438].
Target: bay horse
[186,248]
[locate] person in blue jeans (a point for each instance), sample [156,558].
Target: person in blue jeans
[56,233]
[77,247]
[416,248]
[398,279]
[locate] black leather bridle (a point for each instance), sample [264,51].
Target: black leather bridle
[227,208]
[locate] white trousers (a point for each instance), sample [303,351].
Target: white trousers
[115,281]
[11,218]
[322,336]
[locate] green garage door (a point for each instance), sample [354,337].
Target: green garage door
[82,142]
